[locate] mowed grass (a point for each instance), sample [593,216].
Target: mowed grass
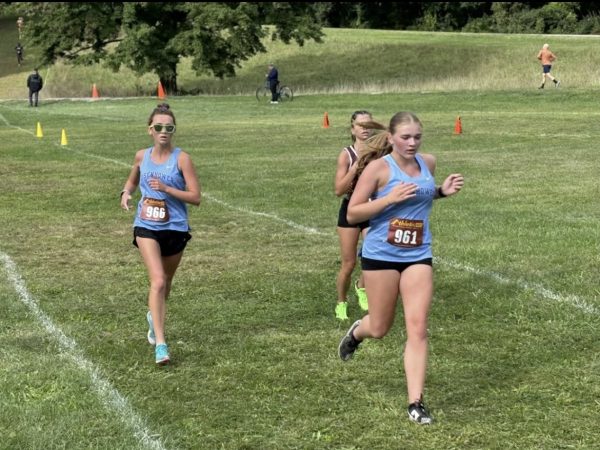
[514,360]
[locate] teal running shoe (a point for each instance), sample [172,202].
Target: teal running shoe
[162,354]
[151,337]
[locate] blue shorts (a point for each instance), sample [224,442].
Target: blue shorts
[546,68]
[171,242]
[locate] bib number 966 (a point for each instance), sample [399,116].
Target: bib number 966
[154,210]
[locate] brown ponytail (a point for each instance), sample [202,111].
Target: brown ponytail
[377,146]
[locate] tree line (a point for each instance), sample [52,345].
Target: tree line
[493,17]
[218,37]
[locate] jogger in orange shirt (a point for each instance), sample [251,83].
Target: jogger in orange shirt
[547,58]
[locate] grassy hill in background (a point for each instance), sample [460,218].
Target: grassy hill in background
[348,60]
[8,40]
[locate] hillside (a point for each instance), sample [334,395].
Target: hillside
[349,60]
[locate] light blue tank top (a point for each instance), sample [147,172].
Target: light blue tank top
[157,210]
[400,233]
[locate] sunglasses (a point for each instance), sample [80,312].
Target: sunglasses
[159,128]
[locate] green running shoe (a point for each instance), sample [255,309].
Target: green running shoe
[361,293]
[341,311]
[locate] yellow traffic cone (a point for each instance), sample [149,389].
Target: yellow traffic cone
[63,138]
[39,132]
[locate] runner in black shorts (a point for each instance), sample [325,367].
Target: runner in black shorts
[395,192]
[168,182]
[349,235]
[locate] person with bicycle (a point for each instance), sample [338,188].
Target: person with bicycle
[273,80]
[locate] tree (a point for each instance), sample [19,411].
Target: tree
[154,36]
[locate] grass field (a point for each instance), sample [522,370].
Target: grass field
[514,360]
[514,349]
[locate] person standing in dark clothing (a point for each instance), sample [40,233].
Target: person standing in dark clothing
[35,84]
[19,50]
[273,80]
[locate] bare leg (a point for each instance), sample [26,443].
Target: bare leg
[382,290]
[348,241]
[361,279]
[416,289]
[161,272]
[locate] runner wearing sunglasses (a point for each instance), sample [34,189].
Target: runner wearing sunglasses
[167,180]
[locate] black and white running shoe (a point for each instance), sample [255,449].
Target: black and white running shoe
[419,414]
[349,344]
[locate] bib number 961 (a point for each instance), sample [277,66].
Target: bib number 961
[405,233]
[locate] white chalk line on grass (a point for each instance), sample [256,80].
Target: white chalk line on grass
[307,230]
[8,124]
[110,397]
[538,289]
[77,99]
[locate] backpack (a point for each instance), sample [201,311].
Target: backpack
[35,82]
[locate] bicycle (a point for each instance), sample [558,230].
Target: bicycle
[284,93]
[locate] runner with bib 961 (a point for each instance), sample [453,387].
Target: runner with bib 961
[395,194]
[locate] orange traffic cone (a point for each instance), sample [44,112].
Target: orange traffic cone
[326,121]
[95,93]
[161,91]
[458,126]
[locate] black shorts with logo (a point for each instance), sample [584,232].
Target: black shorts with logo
[171,242]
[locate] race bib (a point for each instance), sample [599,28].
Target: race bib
[154,210]
[405,233]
